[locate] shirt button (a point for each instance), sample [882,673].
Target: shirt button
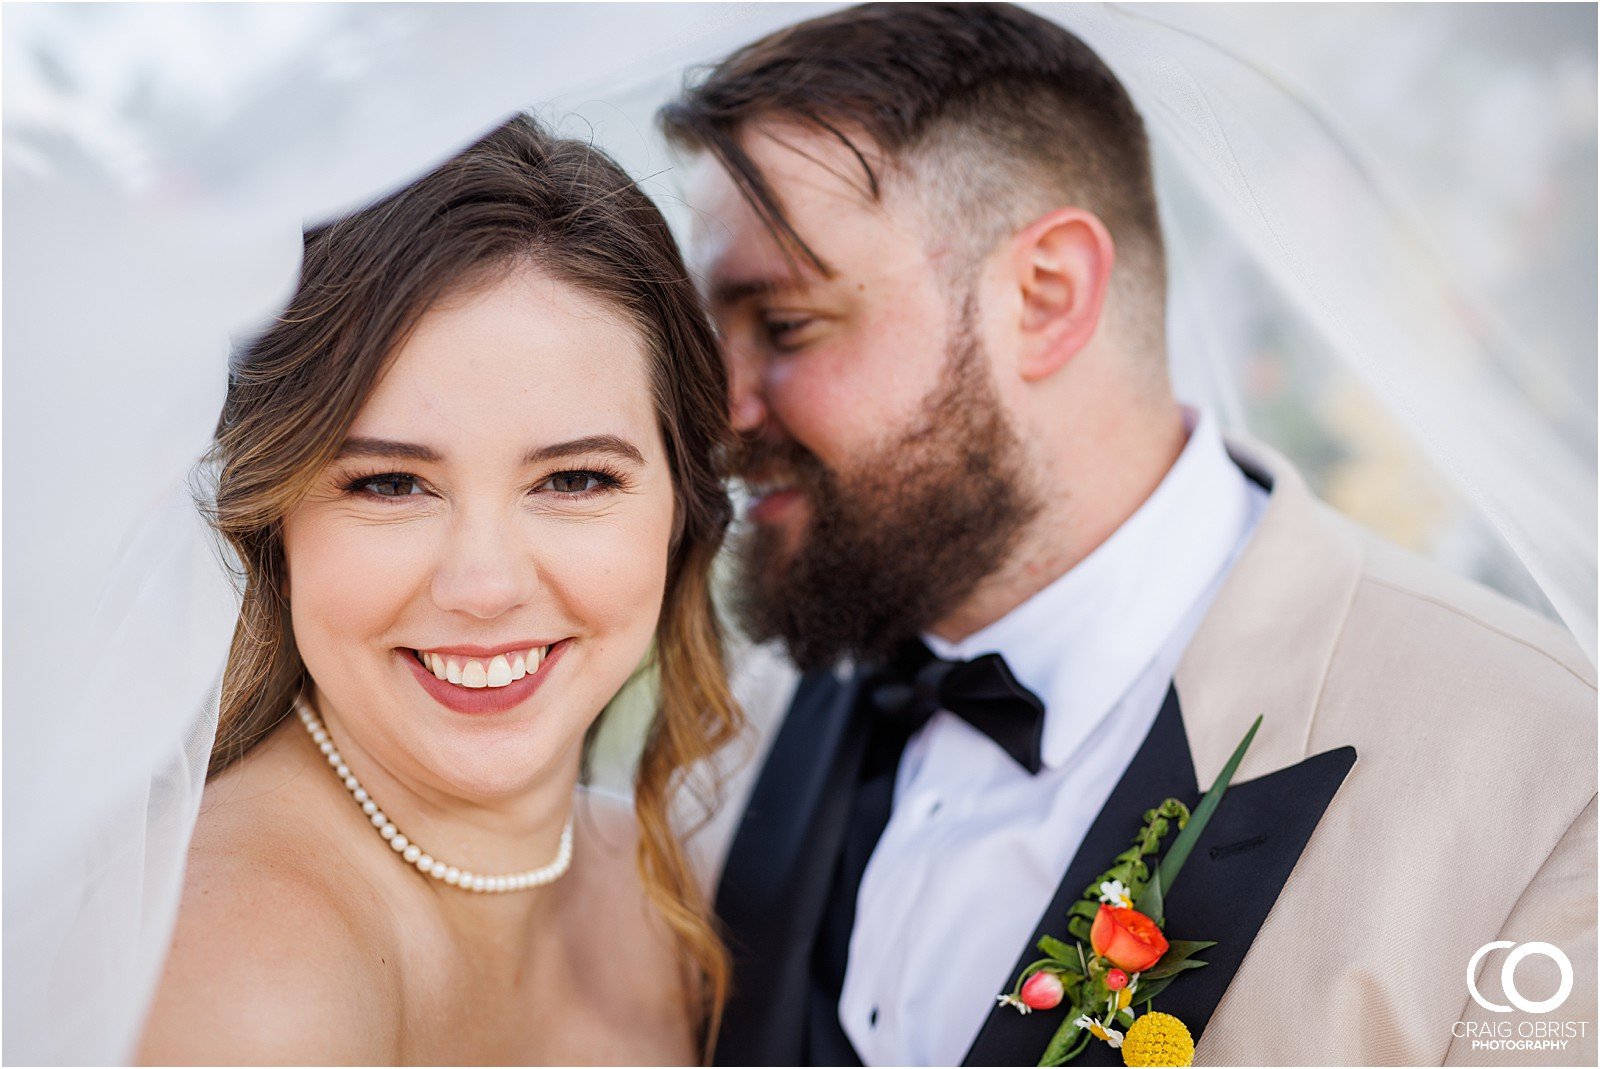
[872,1018]
[933,810]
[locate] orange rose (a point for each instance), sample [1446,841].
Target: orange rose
[1127,938]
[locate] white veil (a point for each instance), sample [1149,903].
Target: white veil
[159,163]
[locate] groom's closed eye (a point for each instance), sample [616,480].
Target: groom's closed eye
[787,332]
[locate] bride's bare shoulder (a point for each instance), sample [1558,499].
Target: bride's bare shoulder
[278,954]
[606,833]
[625,925]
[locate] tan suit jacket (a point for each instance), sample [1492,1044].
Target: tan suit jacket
[1469,815]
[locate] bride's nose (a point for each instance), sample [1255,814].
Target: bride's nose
[485,567]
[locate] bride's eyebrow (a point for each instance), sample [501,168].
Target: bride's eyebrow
[384,449]
[595,444]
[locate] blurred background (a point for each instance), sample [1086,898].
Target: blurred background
[1382,220]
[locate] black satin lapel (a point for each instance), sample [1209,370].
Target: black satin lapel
[1238,869]
[1161,769]
[775,881]
[1226,888]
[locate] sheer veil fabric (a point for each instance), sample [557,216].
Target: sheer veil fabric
[159,163]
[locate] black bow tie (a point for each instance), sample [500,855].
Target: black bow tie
[915,684]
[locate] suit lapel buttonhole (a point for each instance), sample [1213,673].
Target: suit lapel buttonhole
[1219,852]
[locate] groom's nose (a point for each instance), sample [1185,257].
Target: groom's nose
[747,406]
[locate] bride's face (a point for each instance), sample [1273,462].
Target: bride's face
[499,516]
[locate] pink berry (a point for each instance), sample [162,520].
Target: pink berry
[1116,979]
[1042,991]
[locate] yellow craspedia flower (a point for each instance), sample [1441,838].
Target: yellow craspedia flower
[1158,1039]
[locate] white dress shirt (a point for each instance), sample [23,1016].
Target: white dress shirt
[975,847]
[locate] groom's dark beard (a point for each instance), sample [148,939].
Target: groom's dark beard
[895,544]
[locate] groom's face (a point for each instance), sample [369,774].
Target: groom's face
[885,477]
[832,364]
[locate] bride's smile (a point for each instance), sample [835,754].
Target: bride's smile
[484,681]
[482,564]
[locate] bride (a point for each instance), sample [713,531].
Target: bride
[470,475]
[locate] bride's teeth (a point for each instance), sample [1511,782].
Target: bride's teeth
[499,671]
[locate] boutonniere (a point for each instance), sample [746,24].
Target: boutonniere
[1121,958]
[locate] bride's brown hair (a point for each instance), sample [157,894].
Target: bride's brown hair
[517,196]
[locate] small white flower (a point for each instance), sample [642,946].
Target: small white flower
[1013,1001]
[1099,1031]
[1113,893]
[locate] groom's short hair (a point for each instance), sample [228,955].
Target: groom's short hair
[999,116]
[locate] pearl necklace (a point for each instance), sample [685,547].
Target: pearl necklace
[411,852]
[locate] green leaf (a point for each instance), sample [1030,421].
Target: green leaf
[1084,908]
[1178,853]
[1162,969]
[1078,928]
[1180,955]
[1122,872]
[1149,989]
[1151,902]
[1059,951]
[1178,949]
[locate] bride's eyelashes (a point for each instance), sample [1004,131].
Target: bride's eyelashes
[582,483]
[570,485]
[392,484]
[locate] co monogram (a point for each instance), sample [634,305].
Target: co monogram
[1508,977]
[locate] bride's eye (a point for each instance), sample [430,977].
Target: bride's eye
[393,484]
[578,482]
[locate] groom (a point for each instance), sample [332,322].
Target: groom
[1031,596]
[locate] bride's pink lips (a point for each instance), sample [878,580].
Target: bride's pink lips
[483,700]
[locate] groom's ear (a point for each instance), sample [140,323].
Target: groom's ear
[1061,266]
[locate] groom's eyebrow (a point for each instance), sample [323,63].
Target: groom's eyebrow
[737,291]
[729,293]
